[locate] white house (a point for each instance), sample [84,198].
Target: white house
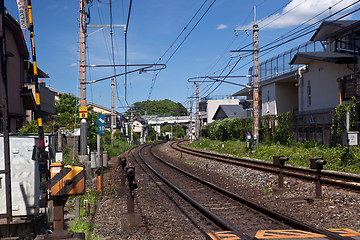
[209,106]
[312,79]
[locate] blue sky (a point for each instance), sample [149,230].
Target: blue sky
[154,25]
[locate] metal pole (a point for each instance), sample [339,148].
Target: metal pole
[190,132]
[101,164]
[197,125]
[5,115]
[83,123]
[256,86]
[132,126]
[112,112]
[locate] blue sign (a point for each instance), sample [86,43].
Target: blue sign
[101,124]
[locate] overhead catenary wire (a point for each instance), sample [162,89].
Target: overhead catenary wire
[267,51]
[171,56]
[125,35]
[301,33]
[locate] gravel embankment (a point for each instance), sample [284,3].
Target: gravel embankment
[160,219]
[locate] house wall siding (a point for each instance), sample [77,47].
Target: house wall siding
[269,106]
[15,76]
[324,86]
[286,97]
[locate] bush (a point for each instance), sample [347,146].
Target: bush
[229,129]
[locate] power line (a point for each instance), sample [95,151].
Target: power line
[172,44]
[192,29]
[301,34]
[283,14]
[125,33]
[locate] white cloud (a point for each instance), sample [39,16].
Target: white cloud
[300,11]
[221,27]
[73,65]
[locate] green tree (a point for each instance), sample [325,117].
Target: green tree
[92,128]
[162,107]
[151,133]
[68,103]
[30,127]
[177,130]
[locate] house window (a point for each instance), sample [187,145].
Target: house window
[308,94]
[268,102]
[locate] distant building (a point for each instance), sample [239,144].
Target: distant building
[209,105]
[230,111]
[120,119]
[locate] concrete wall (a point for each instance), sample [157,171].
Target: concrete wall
[322,78]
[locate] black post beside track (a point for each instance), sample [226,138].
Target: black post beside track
[268,167]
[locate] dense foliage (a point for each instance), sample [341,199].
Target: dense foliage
[163,107]
[339,119]
[230,129]
[235,128]
[177,130]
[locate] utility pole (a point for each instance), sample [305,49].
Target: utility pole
[83,123]
[5,117]
[113,123]
[197,125]
[191,134]
[255,83]
[132,125]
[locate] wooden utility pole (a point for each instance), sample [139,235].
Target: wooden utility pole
[197,125]
[83,123]
[256,86]
[191,133]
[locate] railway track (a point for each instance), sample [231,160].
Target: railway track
[336,179]
[229,211]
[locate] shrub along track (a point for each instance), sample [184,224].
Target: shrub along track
[336,179]
[220,203]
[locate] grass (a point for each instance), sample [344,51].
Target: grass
[187,162]
[298,154]
[83,226]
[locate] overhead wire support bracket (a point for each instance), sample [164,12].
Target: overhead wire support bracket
[103,26]
[216,79]
[146,68]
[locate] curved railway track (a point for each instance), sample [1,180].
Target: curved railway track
[227,210]
[336,179]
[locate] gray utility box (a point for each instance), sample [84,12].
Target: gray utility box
[25,178]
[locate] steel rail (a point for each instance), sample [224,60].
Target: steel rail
[208,214]
[269,167]
[268,212]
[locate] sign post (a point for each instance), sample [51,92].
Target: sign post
[101,131]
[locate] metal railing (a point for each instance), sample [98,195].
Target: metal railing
[218,97]
[279,64]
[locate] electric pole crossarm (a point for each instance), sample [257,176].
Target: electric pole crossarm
[106,26]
